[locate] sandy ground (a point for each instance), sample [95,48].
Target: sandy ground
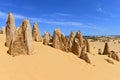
[52,64]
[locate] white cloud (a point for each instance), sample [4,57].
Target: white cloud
[63,14]
[41,20]
[64,23]
[17,16]
[101,10]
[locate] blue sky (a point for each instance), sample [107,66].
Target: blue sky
[91,17]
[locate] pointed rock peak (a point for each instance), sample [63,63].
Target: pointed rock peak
[36,33]
[46,39]
[9,13]
[26,20]
[57,30]
[79,31]
[87,45]
[62,35]
[106,49]
[10,29]
[72,34]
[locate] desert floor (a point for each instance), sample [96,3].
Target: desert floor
[52,64]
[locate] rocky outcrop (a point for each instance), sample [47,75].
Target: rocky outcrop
[46,39]
[84,55]
[76,49]
[80,38]
[10,30]
[66,44]
[36,33]
[63,42]
[60,41]
[113,55]
[87,45]
[106,49]
[23,42]
[57,39]
[77,43]
[109,61]
[71,38]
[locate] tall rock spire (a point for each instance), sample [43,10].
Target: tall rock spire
[57,39]
[106,49]
[87,45]
[36,33]
[10,29]
[72,35]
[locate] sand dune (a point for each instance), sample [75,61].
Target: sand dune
[52,64]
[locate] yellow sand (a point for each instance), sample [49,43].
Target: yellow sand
[52,64]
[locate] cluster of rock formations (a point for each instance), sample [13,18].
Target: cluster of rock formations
[20,41]
[74,43]
[79,45]
[47,38]
[60,41]
[112,54]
